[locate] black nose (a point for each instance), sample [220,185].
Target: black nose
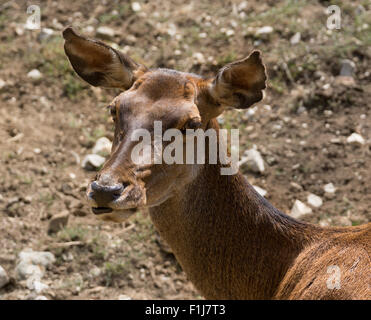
[104,194]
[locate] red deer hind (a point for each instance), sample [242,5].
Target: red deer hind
[231,242]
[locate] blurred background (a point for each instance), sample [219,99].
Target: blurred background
[311,132]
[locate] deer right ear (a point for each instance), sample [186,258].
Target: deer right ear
[99,64]
[240,84]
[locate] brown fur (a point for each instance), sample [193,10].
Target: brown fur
[231,242]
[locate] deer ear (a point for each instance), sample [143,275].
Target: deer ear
[240,84]
[98,63]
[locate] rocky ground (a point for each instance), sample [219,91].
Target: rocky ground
[307,145]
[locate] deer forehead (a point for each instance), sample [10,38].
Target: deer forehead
[159,95]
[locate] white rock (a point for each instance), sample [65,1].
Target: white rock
[95,271]
[124,297]
[102,146]
[172,30]
[34,74]
[41,298]
[229,32]
[329,188]
[261,191]
[264,30]
[356,138]
[347,68]
[45,33]
[242,6]
[295,39]
[43,258]
[4,279]
[2,84]
[253,160]
[89,29]
[136,7]
[251,112]
[57,25]
[299,210]
[45,102]
[92,161]
[25,270]
[314,201]
[72,175]
[19,30]
[198,58]
[105,32]
[36,285]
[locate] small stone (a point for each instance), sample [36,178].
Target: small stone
[36,285]
[58,222]
[136,7]
[45,34]
[4,279]
[261,191]
[19,30]
[34,74]
[41,298]
[250,112]
[72,175]
[299,210]
[67,256]
[57,25]
[253,161]
[198,58]
[89,29]
[329,188]
[105,32]
[360,10]
[295,39]
[242,6]
[92,161]
[102,146]
[342,221]
[229,32]
[356,138]
[347,68]
[43,258]
[325,223]
[314,201]
[124,297]
[95,271]
[26,269]
[345,81]
[264,30]
[2,84]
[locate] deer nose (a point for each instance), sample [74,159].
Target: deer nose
[104,194]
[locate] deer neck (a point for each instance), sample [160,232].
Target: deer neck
[231,242]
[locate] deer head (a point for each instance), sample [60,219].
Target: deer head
[178,100]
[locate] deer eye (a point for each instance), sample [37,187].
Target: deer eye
[112,110]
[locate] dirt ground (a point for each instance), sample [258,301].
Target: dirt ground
[48,125]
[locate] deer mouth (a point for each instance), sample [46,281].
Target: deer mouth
[112,215]
[101,210]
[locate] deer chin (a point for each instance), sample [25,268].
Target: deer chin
[116,215]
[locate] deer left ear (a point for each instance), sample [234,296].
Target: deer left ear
[99,64]
[240,84]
